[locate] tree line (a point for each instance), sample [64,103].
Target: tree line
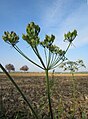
[10,67]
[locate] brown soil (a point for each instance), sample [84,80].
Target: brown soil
[33,86]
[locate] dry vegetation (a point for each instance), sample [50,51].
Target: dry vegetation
[33,85]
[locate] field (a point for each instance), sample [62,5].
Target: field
[33,85]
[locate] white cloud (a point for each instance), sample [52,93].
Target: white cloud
[63,16]
[53,13]
[76,20]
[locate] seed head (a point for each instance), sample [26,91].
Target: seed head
[32,34]
[70,36]
[10,37]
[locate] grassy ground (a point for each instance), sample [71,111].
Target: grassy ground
[34,87]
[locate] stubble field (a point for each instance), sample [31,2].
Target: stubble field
[33,85]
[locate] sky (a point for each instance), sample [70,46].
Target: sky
[54,17]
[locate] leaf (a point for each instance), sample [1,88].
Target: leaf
[84,115]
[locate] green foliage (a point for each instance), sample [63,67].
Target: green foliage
[84,116]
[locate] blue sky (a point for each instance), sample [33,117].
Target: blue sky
[54,17]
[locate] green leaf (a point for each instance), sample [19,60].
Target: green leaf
[84,115]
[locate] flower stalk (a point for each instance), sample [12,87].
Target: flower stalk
[48,92]
[54,56]
[72,67]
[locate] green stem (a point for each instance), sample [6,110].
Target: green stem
[23,96]
[68,47]
[38,55]
[56,61]
[48,92]
[49,58]
[45,55]
[20,52]
[55,64]
[53,60]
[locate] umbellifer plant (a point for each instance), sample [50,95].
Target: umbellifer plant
[73,67]
[53,54]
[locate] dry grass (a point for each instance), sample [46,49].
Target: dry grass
[28,74]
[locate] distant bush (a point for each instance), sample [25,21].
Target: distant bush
[24,68]
[10,67]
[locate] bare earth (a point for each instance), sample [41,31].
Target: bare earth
[33,85]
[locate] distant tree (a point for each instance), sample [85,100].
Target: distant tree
[10,67]
[24,68]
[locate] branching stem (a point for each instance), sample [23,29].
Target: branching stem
[20,52]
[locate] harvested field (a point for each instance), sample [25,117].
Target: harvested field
[27,74]
[33,86]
